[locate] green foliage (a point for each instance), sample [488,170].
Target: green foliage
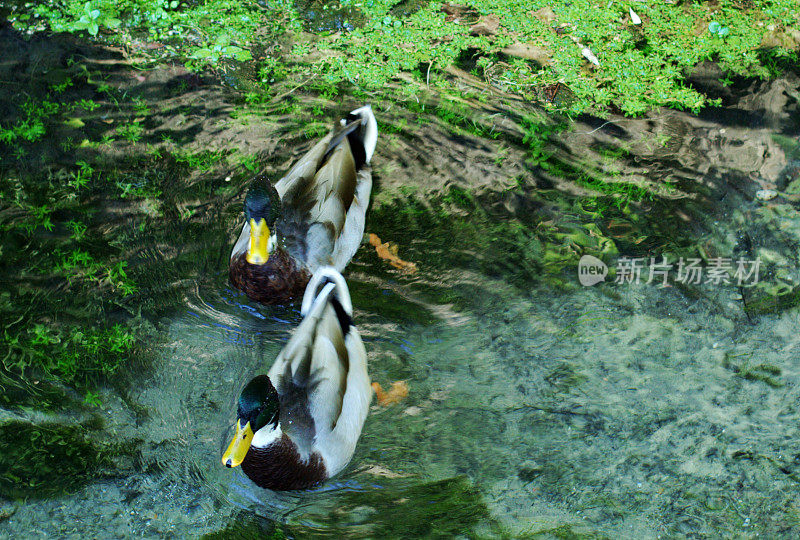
[48,241]
[247,525]
[204,31]
[30,123]
[640,66]
[203,161]
[92,399]
[221,48]
[131,131]
[449,508]
[94,17]
[67,352]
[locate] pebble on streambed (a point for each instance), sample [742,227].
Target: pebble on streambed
[766,194]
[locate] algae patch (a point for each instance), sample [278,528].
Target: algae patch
[47,460]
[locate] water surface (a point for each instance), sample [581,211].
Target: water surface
[537,406]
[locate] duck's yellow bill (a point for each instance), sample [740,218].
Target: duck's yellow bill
[239,446]
[259,240]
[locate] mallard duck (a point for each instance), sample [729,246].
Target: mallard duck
[298,425]
[312,217]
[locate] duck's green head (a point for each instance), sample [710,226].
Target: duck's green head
[258,407]
[262,208]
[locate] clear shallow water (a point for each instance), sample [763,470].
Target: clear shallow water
[527,412]
[536,406]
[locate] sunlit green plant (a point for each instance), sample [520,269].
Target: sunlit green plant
[131,131]
[94,17]
[718,29]
[640,66]
[222,48]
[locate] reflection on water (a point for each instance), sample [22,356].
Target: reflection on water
[536,406]
[620,408]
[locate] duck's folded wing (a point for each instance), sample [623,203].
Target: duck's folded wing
[338,445]
[304,170]
[242,242]
[327,375]
[348,242]
[328,201]
[292,366]
[298,354]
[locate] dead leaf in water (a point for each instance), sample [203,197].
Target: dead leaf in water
[388,251]
[396,393]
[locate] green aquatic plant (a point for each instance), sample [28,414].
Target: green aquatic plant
[765,373]
[458,117]
[250,163]
[247,525]
[204,160]
[768,297]
[449,508]
[29,125]
[47,460]
[578,531]
[92,399]
[82,176]
[88,104]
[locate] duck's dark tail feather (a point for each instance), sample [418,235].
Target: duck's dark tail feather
[361,131]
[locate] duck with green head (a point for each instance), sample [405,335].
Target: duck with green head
[298,425]
[312,217]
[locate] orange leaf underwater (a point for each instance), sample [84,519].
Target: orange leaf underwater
[388,251]
[396,393]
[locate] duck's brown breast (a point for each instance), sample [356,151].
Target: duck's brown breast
[278,281]
[279,467]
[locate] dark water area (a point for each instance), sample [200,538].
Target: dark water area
[537,406]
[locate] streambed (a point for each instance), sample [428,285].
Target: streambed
[537,406]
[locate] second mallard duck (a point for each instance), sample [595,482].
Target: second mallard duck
[312,217]
[298,425]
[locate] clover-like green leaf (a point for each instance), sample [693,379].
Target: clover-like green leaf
[202,53]
[243,55]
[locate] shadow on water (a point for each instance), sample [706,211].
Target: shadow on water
[537,407]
